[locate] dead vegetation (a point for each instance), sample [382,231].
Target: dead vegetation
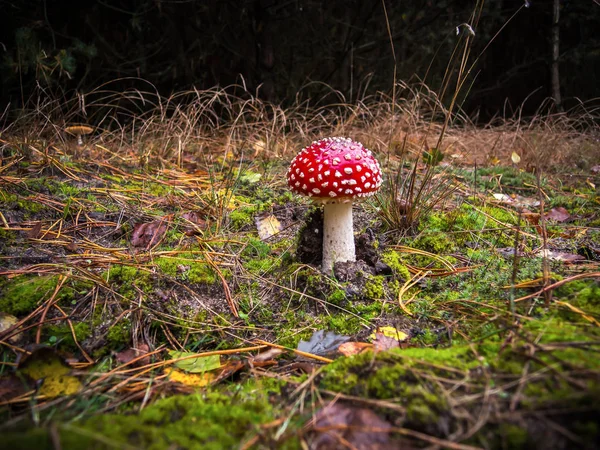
[125,257]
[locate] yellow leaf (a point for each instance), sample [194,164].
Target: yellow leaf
[45,366]
[391,332]
[515,158]
[267,226]
[190,379]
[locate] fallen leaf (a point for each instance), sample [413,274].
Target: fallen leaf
[515,158]
[267,226]
[45,366]
[13,386]
[197,222]
[198,364]
[190,379]
[382,343]
[148,234]
[204,378]
[354,348]
[391,332]
[553,255]
[322,343]
[517,200]
[130,354]
[267,356]
[35,231]
[338,425]
[7,321]
[558,214]
[590,183]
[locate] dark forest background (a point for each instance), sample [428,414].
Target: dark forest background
[280,48]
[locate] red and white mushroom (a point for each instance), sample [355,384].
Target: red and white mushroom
[334,171]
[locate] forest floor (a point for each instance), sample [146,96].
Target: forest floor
[160,285]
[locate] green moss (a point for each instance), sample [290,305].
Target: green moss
[337,297]
[187,267]
[374,288]
[257,257]
[119,335]
[210,420]
[394,260]
[127,278]
[345,324]
[242,217]
[512,436]
[389,375]
[63,335]
[22,294]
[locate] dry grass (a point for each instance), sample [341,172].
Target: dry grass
[196,144]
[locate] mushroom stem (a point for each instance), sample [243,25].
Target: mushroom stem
[338,235]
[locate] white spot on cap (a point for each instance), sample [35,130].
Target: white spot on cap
[349,191]
[316,190]
[324,185]
[338,174]
[347,157]
[327,173]
[311,180]
[332,194]
[348,170]
[358,167]
[335,184]
[367,185]
[336,161]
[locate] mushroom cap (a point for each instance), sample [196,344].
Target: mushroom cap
[333,170]
[79,129]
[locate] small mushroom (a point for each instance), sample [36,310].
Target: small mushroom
[334,172]
[79,131]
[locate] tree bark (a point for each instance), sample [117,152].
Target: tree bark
[555,55]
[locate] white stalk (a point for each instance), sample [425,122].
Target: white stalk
[338,235]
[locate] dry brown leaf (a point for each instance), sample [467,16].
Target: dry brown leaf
[148,234]
[343,426]
[195,218]
[35,231]
[558,214]
[131,353]
[354,348]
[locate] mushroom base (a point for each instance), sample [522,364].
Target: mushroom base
[338,235]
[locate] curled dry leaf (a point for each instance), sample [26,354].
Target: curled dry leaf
[343,426]
[35,231]
[558,214]
[196,222]
[568,258]
[148,234]
[354,348]
[130,354]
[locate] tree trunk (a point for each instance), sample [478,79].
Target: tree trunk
[555,55]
